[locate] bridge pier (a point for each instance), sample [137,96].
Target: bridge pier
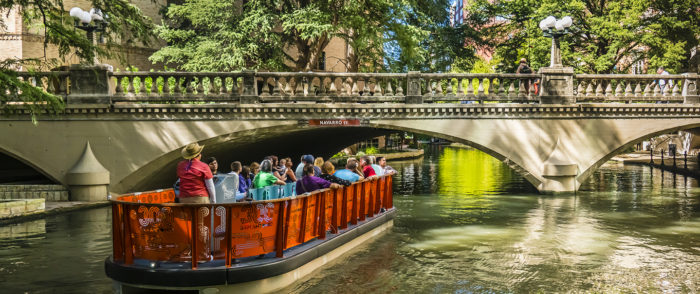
[88,180]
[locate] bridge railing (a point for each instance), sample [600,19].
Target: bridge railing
[479,87]
[629,88]
[54,82]
[248,87]
[149,228]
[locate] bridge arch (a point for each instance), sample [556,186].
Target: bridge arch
[632,141]
[17,169]
[286,140]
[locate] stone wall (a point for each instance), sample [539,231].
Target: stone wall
[12,208]
[47,192]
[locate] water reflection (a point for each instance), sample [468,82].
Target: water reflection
[467,223]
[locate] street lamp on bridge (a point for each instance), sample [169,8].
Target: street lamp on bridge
[83,20]
[554,29]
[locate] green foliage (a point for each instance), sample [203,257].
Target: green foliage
[126,25]
[607,36]
[371,150]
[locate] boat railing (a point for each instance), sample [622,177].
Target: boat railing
[152,229]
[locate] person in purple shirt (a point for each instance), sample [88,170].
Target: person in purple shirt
[310,183]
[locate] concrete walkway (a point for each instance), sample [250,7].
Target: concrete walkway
[687,167]
[54,207]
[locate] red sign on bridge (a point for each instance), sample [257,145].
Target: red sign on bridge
[334,122]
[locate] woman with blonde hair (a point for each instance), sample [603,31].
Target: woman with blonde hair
[318,162]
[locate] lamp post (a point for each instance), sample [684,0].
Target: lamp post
[83,20]
[554,29]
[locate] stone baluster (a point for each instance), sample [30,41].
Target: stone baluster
[389,89]
[438,91]
[266,87]
[656,92]
[470,88]
[333,89]
[177,86]
[130,85]
[166,85]
[609,89]
[480,88]
[628,89]
[222,85]
[449,89]
[355,90]
[200,86]
[619,91]
[511,89]
[589,89]
[647,89]
[365,88]
[377,88]
[154,85]
[498,91]
[638,90]
[522,93]
[188,85]
[118,89]
[599,88]
[676,89]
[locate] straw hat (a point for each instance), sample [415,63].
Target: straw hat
[192,150]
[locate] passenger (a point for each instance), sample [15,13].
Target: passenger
[213,164]
[305,159]
[245,175]
[282,167]
[310,183]
[275,163]
[377,169]
[366,166]
[265,177]
[289,172]
[318,162]
[196,179]
[385,168]
[348,173]
[254,169]
[327,174]
[236,169]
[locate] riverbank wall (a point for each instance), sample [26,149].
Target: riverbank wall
[408,154]
[682,165]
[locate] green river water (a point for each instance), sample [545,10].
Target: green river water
[466,223]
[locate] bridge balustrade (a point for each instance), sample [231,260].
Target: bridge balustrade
[414,87]
[629,88]
[479,87]
[150,227]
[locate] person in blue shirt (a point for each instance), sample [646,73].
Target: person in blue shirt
[348,173]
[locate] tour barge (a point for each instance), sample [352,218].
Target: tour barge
[241,247]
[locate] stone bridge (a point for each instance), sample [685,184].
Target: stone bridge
[554,135]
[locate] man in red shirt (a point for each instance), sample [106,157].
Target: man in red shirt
[196,179]
[367,169]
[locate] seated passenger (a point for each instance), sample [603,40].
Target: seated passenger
[310,183]
[289,172]
[377,169]
[348,173]
[213,165]
[265,177]
[305,159]
[385,168]
[245,175]
[366,167]
[236,169]
[318,162]
[254,169]
[327,174]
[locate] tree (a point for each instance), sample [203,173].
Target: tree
[230,35]
[608,36]
[125,25]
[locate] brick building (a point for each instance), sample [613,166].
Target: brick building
[21,40]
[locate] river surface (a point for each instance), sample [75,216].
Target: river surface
[466,223]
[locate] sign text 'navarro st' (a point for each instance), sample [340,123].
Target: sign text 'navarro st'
[334,122]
